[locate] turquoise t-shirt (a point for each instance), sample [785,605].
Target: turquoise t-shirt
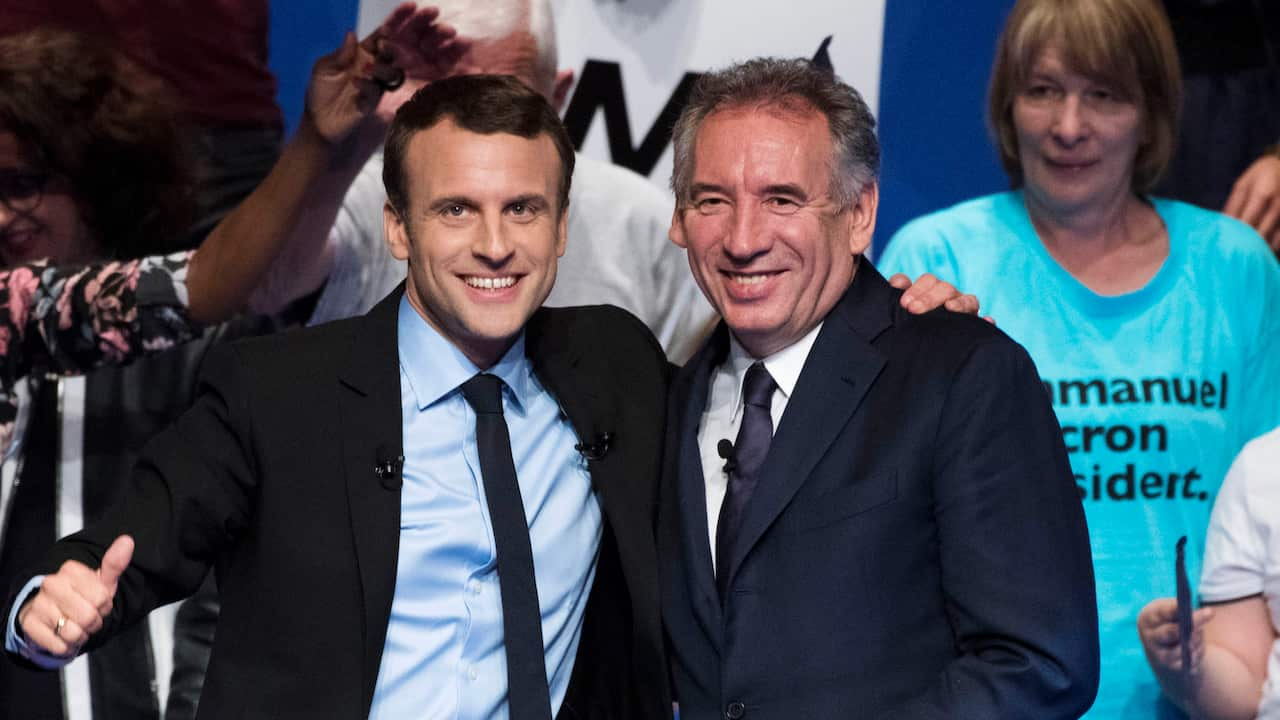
[1156,390]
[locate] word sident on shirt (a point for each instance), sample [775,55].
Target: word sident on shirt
[1129,482]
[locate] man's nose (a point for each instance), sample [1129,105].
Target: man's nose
[492,244]
[748,235]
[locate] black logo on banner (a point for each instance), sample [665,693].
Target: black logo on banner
[600,87]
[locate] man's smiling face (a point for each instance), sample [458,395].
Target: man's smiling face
[482,233]
[770,247]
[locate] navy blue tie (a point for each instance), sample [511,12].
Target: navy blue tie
[749,450]
[527,695]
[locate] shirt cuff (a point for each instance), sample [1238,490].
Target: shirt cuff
[15,641]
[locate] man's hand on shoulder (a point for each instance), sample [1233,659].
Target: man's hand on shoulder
[928,292]
[73,602]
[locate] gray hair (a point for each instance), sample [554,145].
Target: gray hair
[496,19]
[789,85]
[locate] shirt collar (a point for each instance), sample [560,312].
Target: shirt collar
[784,366]
[435,367]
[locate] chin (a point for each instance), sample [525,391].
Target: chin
[496,330]
[754,330]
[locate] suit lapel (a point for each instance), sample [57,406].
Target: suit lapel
[576,379]
[689,397]
[840,369]
[369,403]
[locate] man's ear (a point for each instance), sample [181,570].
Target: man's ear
[395,232]
[560,89]
[862,218]
[676,231]
[562,230]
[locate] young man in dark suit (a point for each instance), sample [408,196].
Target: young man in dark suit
[905,540]
[443,508]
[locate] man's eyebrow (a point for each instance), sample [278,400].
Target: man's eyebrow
[702,187]
[788,189]
[528,199]
[443,202]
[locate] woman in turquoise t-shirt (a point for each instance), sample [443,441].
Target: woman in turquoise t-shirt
[1153,323]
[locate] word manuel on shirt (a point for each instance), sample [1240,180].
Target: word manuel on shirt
[1146,391]
[1145,442]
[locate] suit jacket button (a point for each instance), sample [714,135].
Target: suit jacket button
[735,710]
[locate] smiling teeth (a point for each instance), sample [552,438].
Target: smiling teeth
[487,283]
[749,279]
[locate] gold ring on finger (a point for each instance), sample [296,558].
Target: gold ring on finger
[57,629]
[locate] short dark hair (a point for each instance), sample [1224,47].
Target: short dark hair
[787,85]
[83,112]
[484,104]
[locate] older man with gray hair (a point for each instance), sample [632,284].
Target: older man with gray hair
[617,219]
[864,511]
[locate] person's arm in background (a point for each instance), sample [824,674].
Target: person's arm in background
[345,88]
[423,50]
[1232,638]
[74,319]
[1229,649]
[1255,197]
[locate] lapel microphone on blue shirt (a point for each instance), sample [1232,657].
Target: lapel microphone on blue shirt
[724,449]
[387,467]
[597,448]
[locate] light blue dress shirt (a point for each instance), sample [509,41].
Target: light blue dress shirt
[444,656]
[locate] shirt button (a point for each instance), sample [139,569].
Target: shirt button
[735,710]
[472,675]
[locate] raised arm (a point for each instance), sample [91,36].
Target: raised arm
[422,50]
[346,87]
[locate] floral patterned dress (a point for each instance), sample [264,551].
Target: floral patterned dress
[69,320]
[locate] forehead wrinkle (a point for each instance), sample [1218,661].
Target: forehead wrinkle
[478,167]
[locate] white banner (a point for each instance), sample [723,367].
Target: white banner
[635,55]
[656,43]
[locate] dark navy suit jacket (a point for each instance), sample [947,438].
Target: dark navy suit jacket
[915,548]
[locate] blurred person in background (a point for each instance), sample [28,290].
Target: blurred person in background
[213,57]
[1151,321]
[1228,153]
[1235,653]
[90,169]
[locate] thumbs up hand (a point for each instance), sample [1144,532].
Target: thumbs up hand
[72,603]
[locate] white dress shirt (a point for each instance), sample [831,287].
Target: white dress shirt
[723,413]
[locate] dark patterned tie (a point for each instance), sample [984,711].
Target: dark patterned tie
[749,451]
[527,697]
